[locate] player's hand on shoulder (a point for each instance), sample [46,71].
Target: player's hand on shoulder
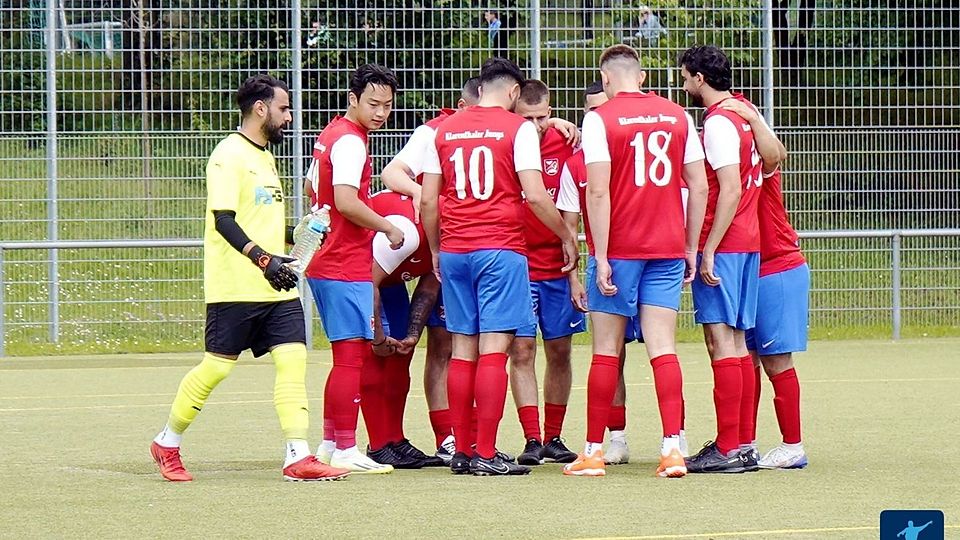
[569,130]
[706,269]
[743,110]
[275,269]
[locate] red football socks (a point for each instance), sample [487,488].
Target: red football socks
[442,423]
[491,395]
[786,401]
[461,377]
[668,381]
[727,391]
[756,401]
[601,387]
[530,422]
[396,386]
[553,415]
[618,418]
[343,389]
[748,419]
[373,401]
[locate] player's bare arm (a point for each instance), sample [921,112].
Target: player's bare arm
[421,305]
[729,197]
[348,203]
[598,208]
[430,215]
[398,177]
[769,146]
[695,177]
[543,207]
[569,130]
[383,345]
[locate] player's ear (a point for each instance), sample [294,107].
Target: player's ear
[352,99]
[604,79]
[643,77]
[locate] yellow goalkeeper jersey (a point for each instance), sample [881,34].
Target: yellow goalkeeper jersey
[242,177]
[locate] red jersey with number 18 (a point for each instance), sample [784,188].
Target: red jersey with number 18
[479,151]
[544,249]
[647,140]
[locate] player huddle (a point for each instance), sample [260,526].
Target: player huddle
[483,209]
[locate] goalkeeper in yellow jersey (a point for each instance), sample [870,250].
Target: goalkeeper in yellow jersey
[249,306]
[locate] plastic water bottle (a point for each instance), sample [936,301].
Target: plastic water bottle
[317,227]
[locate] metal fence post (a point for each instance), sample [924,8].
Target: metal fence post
[895,246]
[535,39]
[3,310]
[53,233]
[296,59]
[768,61]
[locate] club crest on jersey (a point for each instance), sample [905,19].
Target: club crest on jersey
[551,166]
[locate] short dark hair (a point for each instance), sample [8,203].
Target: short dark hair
[709,61]
[260,87]
[471,89]
[372,74]
[534,91]
[592,89]
[500,68]
[618,51]
[493,12]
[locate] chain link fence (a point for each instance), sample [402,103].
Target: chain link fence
[109,109]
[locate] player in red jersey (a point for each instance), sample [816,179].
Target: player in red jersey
[385,380]
[403,175]
[482,159]
[782,301]
[550,290]
[339,274]
[725,288]
[572,202]
[637,148]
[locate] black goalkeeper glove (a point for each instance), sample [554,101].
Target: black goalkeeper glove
[275,269]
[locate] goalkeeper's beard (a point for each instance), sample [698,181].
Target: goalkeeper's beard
[273,133]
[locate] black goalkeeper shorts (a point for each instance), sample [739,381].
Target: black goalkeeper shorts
[233,327]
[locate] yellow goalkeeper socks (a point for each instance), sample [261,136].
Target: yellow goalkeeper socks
[194,390]
[290,391]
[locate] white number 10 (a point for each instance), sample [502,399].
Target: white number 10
[479,153]
[657,145]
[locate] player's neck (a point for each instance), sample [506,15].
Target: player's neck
[712,98]
[351,116]
[625,89]
[494,101]
[254,135]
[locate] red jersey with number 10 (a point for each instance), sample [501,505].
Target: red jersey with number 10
[544,249]
[482,204]
[779,242]
[743,236]
[647,138]
[346,254]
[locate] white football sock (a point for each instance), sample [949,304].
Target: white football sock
[327,447]
[669,444]
[168,438]
[794,446]
[591,448]
[296,449]
[619,435]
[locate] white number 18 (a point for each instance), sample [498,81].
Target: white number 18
[657,145]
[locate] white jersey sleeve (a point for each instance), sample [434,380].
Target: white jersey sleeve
[594,139]
[390,259]
[347,158]
[526,149]
[569,198]
[414,153]
[694,150]
[721,142]
[431,159]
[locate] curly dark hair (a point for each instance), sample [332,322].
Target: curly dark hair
[709,61]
